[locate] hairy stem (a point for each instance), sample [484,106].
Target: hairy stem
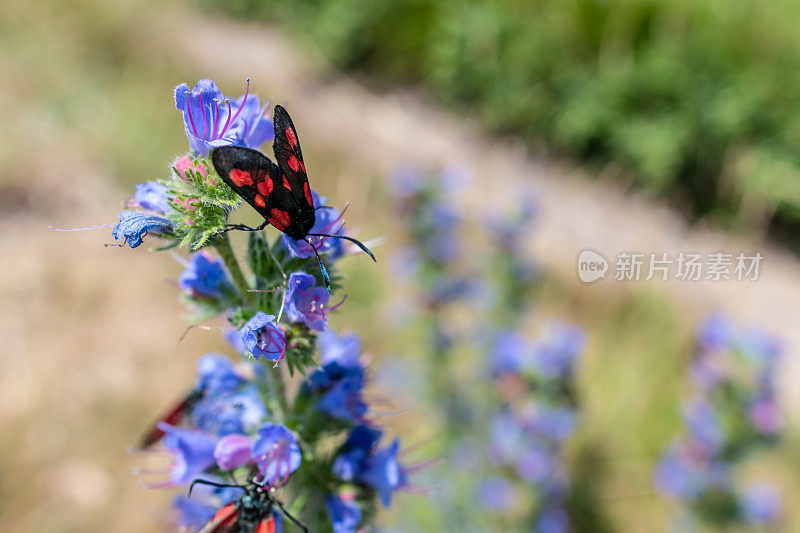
[276,396]
[223,246]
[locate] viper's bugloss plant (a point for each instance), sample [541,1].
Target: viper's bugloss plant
[316,449]
[518,480]
[732,412]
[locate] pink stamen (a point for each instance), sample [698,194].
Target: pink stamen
[215,110]
[205,119]
[189,112]
[244,100]
[420,466]
[225,127]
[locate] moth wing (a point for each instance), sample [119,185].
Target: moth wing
[224,521]
[289,156]
[251,174]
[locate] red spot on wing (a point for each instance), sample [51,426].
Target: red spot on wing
[266,526]
[291,137]
[259,200]
[286,182]
[265,187]
[240,177]
[302,166]
[226,516]
[279,219]
[307,192]
[293,163]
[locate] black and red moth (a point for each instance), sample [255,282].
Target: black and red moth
[280,193]
[252,512]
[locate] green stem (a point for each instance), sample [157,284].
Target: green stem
[276,397]
[223,246]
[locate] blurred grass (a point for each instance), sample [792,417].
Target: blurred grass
[91,357]
[695,101]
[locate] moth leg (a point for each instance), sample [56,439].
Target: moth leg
[242,227]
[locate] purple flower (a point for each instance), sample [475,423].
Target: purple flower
[555,424]
[210,120]
[277,454]
[133,226]
[344,349]
[204,277]
[354,452]
[216,374]
[704,427]
[230,412]
[233,451]
[761,504]
[496,494]
[507,441]
[765,416]
[509,352]
[305,302]
[262,337]
[716,333]
[192,451]
[344,514]
[552,520]
[327,220]
[152,196]
[556,354]
[535,465]
[686,470]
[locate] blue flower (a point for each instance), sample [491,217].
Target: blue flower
[262,337]
[344,349]
[192,451]
[496,494]
[507,440]
[554,424]
[716,333]
[344,515]
[225,413]
[204,277]
[359,462]
[277,454]
[193,512]
[133,226]
[152,196]
[703,424]
[552,520]
[233,451]
[383,472]
[216,374]
[760,504]
[686,470]
[210,120]
[339,389]
[305,302]
[555,356]
[327,220]
[355,450]
[509,352]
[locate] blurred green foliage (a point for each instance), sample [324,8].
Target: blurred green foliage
[699,101]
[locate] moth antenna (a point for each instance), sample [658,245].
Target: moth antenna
[294,520]
[321,265]
[345,237]
[213,484]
